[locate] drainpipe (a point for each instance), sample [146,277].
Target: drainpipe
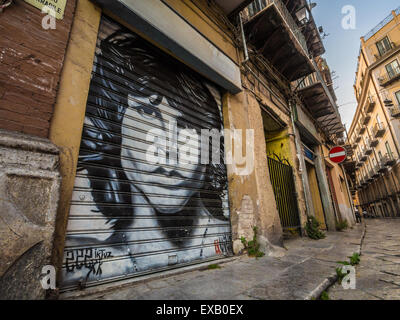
[303,170]
[246,52]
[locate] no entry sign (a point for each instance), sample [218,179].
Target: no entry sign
[337,154]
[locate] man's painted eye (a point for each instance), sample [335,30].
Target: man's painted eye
[155,99]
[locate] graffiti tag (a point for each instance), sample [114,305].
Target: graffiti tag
[88,258]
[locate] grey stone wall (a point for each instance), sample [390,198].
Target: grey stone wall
[29,194]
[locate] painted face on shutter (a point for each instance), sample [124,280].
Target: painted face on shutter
[151,131]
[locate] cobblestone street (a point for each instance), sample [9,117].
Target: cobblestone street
[378,274]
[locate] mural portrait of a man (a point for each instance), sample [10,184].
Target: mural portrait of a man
[130,215]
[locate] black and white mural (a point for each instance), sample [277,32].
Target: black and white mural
[130,214]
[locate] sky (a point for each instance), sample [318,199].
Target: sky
[343,45]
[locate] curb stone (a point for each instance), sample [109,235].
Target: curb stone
[332,279]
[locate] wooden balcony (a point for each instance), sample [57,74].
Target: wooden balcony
[273,33]
[315,94]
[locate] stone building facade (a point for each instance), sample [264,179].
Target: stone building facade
[137,76]
[374,132]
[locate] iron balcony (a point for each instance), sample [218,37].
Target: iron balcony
[363,157]
[389,159]
[387,52]
[362,129]
[368,151]
[382,166]
[374,142]
[390,77]
[379,130]
[365,119]
[370,105]
[395,111]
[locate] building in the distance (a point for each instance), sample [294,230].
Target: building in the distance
[375,130]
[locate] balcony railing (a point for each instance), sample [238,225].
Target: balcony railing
[395,111]
[363,156]
[382,166]
[386,51]
[390,77]
[362,129]
[288,19]
[389,159]
[365,119]
[379,130]
[368,149]
[374,142]
[370,105]
[375,172]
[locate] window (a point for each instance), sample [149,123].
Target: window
[378,120]
[388,149]
[384,46]
[398,97]
[380,155]
[392,69]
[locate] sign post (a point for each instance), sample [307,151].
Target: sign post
[338,154]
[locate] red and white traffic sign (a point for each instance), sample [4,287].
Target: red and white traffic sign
[337,154]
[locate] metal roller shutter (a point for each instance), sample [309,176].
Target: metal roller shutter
[129,215]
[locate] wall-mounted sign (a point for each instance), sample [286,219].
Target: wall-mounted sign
[56,6]
[337,154]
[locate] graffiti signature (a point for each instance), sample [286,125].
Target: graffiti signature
[88,258]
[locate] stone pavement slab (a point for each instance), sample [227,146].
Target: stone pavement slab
[306,269]
[378,274]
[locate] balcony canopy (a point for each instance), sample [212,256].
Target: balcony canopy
[319,102]
[274,33]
